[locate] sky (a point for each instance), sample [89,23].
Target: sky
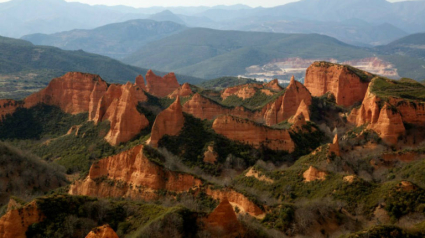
[148,3]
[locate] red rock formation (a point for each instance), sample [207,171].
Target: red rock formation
[287,105]
[182,91]
[334,147]
[302,112]
[205,108]
[15,222]
[140,81]
[161,86]
[313,174]
[248,132]
[238,200]
[8,106]
[223,221]
[346,86]
[118,105]
[210,156]
[135,175]
[297,122]
[242,91]
[104,231]
[273,85]
[168,122]
[389,125]
[412,112]
[71,92]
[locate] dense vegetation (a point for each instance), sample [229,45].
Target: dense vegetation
[225,82]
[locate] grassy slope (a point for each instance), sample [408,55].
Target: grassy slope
[225,82]
[404,88]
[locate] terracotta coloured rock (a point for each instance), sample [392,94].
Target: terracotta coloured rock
[237,200]
[161,86]
[210,156]
[249,132]
[104,231]
[8,107]
[183,91]
[168,122]
[118,106]
[242,91]
[71,92]
[223,221]
[140,81]
[389,125]
[334,147]
[313,174]
[347,87]
[15,222]
[274,85]
[287,105]
[139,177]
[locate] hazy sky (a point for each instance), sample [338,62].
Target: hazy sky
[147,3]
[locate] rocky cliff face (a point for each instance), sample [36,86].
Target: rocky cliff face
[242,91]
[248,132]
[334,147]
[287,105]
[346,85]
[389,125]
[183,91]
[161,86]
[273,85]
[237,200]
[140,81]
[118,105]
[223,221]
[132,175]
[70,92]
[205,108]
[104,231]
[168,122]
[313,174]
[15,222]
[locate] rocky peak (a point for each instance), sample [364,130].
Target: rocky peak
[334,147]
[313,174]
[161,86]
[140,81]
[347,84]
[183,91]
[224,218]
[274,85]
[104,231]
[168,122]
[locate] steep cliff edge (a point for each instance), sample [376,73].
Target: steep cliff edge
[347,84]
[223,221]
[249,132]
[168,122]
[15,222]
[133,175]
[118,106]
[70,92]
[388,104]
[8,106]
[287,105]
[161,86]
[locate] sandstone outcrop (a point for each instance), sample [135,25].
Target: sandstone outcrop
[204,108]
[253,173]
[133,175]
[210,156]
[313,174]
[273,85]
[346,85]
[334,147]
[140,81]
[223,221]
[183,91]
[249,132]
[161,86]
[104,231]
[15,222]
[71,92]
[389,125]
[237,200]
[118,106]
[168,122]
[287,105]
[242,91]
